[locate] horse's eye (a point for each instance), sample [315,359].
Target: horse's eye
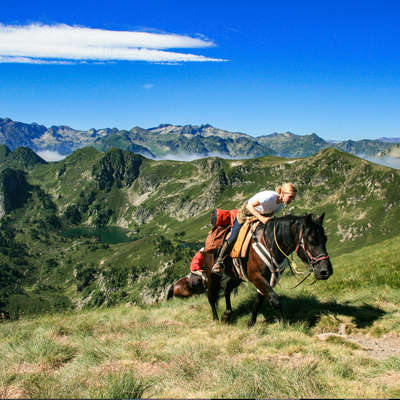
[313,239]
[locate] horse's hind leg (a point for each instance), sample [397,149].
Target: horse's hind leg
[170,292]
[214,283]
[231,284]
[257,306]
[264,287]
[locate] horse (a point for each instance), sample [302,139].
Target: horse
[281,236]
[187,286]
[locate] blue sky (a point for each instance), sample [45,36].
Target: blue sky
[329,68]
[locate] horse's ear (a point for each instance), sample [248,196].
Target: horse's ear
[309,219]
[320,219]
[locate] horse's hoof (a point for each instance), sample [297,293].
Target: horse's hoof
[226,316]
[281,318]
[251,323]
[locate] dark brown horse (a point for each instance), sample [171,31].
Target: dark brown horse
[280,235]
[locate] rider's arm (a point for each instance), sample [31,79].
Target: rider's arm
[251,207]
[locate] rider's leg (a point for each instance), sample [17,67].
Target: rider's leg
[226,249]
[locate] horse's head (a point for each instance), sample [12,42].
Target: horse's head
[312,247]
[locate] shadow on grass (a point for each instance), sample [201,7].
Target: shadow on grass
[307,309]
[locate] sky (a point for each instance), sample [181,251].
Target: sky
[330,68]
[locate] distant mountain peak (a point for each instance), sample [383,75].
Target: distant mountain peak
[63,127]
[389,140]
[279,134]
[164,126]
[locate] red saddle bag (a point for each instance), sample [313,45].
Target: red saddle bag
[215,238]
[223,217]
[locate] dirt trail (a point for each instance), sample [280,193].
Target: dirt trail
[379,348]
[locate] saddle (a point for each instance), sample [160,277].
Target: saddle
[241,247]
[243,240]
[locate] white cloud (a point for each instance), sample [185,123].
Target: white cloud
[49,155]
[195,156]
[37,43]
[148,86]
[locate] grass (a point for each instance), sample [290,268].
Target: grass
[174,350]
[267,380]
[120,385]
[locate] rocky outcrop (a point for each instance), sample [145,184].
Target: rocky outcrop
[16,134]
[391,152]
[14,190]
[116,167]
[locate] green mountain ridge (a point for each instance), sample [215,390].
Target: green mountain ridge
[22,157]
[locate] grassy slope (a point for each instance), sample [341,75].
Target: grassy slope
[173,198]
[175,350]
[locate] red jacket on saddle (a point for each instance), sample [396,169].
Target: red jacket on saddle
[197,262]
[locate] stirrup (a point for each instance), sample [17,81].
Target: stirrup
[217,268]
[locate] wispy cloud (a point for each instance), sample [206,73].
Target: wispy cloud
[26,60]
[195,156]
[37,43]
[148,86]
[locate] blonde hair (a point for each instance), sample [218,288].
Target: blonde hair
[287,188]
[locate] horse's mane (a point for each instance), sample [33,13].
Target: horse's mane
[282,225]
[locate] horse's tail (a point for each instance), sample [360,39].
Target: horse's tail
[170,291]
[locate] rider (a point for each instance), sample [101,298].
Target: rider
[263,206]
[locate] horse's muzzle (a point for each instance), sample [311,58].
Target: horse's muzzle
[323,270]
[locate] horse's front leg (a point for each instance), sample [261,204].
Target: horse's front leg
[231,284]
[214,283]
[265,288]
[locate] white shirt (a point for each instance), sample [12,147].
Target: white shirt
[268,202]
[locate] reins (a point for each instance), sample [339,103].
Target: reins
[289,261]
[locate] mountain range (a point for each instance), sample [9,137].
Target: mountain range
[168,141]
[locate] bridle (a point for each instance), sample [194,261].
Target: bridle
[311,260]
